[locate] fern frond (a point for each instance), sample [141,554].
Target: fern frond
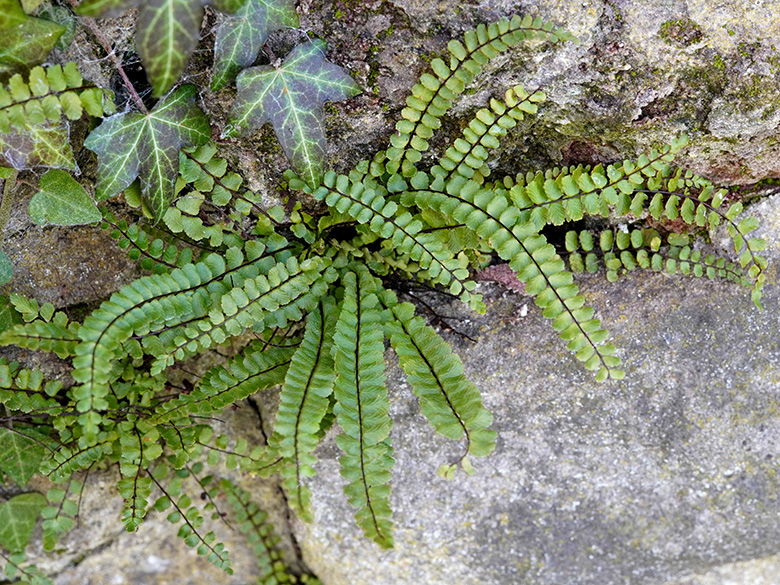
[401,232]
[448,400]
[147,304]
[153,253]
[303,404]
[59,516]
[253,523]
[66,460]
[50,332]
[284,294]
[254,369]
[190,519]
[23,575]
[536,263]
[433,96]
[646,186]
[362,408]
[624,251]
[32,131]
[136,491]
[24,390]
[209,175]
[468,155]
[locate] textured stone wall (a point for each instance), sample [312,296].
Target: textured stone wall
[667,478]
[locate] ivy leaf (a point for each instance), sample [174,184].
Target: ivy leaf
[130,145]
[9,316]
[290,96]
[166,33]
[240,37]
[20,456]
[24,41]
[17,520]
[45,144]
[6,268]
[62,201]
[11,13]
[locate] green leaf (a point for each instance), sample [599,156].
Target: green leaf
[62,201]
[11,13]
[9,316]
[134,145]
[20,455]
[290,96]
[6,268]
[240,37]
[17,520]
[24,41]
[45,145]
[166,33]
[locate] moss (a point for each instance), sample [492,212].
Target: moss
[683,32]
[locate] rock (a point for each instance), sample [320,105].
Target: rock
[670,472]
[100,552]
[643,73]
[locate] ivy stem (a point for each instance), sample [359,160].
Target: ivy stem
[93,28]
[8,200]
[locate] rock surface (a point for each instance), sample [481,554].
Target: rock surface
[673,471]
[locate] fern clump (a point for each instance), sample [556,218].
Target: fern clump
[314,290]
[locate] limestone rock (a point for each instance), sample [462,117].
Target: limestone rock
[672,471]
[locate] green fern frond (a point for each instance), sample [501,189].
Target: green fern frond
[253,523]
[536,263]
[25,390]
[400,231]
[448,400]
[208,174]
[624,251]
[59,516]
[284,294]
[433,96]
[362,408]
[136,491]
[44,330]
[22,574]
[148,304]
[304,403]
[32,131]
[468,155]
[153,253]
[65,460]
[253,370]
[190,519]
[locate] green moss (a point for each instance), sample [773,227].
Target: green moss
[681,32]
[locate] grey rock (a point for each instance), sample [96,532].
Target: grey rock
[670,472]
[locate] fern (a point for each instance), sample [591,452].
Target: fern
[307,280]
[362,409]
[303,405]
[32,130]
[448,400]
[253,523]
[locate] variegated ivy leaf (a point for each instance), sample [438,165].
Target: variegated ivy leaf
[45,144]
[62,201]
[17,520]
[290,96]
[240,37]
[132,144]
[166,34]
[24,41]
